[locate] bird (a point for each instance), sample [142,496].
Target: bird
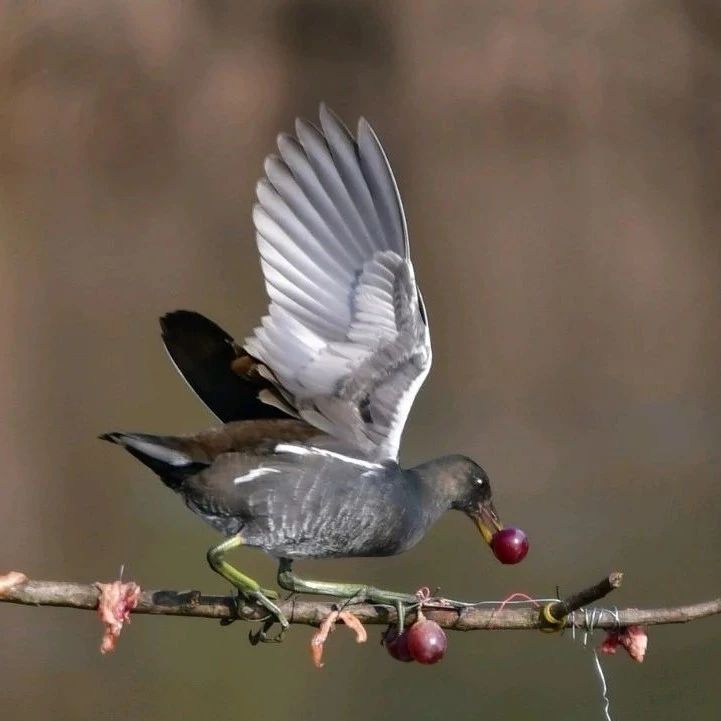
[314,401]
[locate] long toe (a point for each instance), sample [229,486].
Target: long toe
[261,636]
[262,600]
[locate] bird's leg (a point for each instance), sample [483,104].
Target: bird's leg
[401,612]
[356,592]
[249,588]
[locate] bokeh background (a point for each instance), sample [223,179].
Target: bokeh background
[560,165]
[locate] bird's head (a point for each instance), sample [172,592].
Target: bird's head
[468,489]
[473,496]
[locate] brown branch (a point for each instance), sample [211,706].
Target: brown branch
[312,612]
[561,609]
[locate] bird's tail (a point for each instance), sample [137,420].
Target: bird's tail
[163,454]
[208,358]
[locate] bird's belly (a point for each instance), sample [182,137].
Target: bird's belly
[330,548]
[333,512]
[332,537]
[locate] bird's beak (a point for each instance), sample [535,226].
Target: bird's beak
[486,518]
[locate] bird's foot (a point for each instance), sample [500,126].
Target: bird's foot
[248,590]
[352,592]
[262,636]
[275,615]
[380,596]
[261,598]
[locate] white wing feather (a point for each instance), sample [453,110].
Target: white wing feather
[345,339]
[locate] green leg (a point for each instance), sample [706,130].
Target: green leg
[352,591]
[249,588]
[401,611]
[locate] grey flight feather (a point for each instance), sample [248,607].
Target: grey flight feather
[346,339]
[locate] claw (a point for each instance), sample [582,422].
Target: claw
[261,635]
[275,615]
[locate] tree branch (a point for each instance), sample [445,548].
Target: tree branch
[312,612]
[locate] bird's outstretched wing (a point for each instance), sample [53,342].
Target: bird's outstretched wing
[346,340]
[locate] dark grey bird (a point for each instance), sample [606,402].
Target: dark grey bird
[314,402]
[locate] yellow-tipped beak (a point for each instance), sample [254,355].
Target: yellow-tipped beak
[487,521]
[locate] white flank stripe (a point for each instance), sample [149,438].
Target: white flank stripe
[255,473]
[313,450]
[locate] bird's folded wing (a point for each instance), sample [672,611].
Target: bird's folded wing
[235,479]
[223,489]
[346,339]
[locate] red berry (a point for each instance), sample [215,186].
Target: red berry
[509,545]
[397,644]
[427,641]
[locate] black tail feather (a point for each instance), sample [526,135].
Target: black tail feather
[203,353]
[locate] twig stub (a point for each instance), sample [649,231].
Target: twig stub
[553,615]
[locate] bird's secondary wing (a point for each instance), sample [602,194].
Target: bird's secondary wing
[346,340]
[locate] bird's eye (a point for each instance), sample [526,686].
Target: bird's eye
[479,481]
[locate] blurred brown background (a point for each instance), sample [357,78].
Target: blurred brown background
[560,165]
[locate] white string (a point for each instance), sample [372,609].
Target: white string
[434,602]
[591,617]
[532,602]
[604,688]
[473,604]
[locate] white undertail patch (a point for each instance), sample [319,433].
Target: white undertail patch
[155,450]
